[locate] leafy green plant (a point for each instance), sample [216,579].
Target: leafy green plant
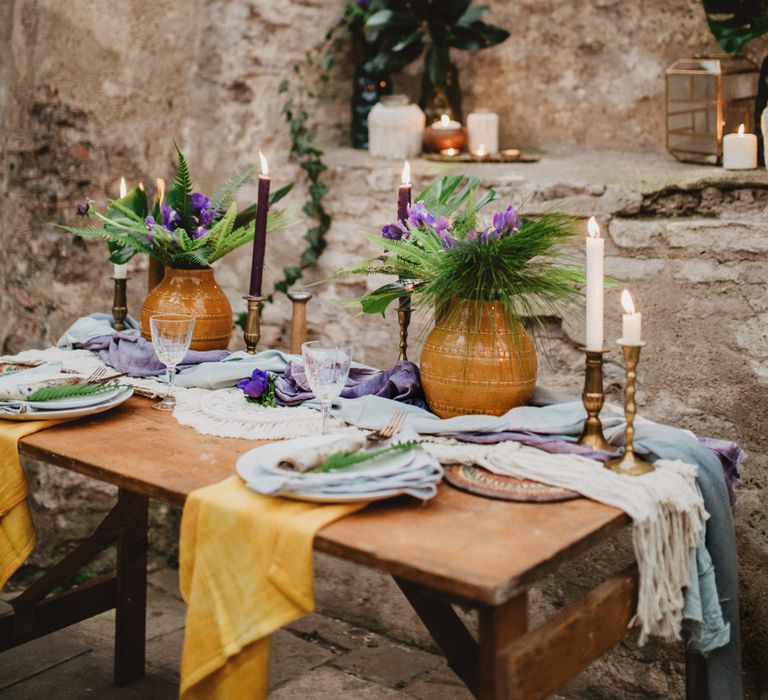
[184,230]
[448,258]
[734,23]
[410,28]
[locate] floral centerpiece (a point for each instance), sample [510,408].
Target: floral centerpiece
[484,279]
[186,232]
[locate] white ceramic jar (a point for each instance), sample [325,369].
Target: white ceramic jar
[395,128]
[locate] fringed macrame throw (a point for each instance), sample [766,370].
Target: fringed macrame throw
[665,506]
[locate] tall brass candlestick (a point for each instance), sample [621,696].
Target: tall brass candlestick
[629,463]
[593,398]
[120,303]
[298,319]
[252,332]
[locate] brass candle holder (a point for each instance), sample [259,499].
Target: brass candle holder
[120,303]
[404,316]
[298,319]
[629,463]
[252,332]
[593,398]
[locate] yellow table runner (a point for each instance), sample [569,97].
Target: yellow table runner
[17,533]
[245,571]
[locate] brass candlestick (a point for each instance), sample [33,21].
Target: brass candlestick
[404,315]
[629,463]
[252,332]
[404,320]
[298,319]
[593,398]
[120,303]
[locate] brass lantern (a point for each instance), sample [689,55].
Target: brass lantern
[707,97]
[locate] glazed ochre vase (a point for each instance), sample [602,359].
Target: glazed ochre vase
[473,362]
[192,292]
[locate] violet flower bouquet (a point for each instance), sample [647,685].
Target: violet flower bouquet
[184,228]
[447,256]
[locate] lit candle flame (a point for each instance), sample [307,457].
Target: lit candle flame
[444,120]
[481,150]
[264,164]
[160,185]
[741,130]
[141,186]
[593,228]
[406,176]
[123,188]
[627,303]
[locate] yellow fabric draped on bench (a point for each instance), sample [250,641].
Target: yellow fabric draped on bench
[17,533]
[245,571]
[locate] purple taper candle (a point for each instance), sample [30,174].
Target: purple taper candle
[404,193]
[260,229]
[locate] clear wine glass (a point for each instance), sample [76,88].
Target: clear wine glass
[171,336]
[327,369]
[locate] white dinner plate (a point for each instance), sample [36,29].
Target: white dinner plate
[122,395]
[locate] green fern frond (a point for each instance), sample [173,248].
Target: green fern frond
[221,231]
[224,194]
[53,393]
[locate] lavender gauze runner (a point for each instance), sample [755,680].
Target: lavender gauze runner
[400,383]
[130,353]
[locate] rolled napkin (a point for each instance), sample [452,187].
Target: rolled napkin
[400,383]
[302,460]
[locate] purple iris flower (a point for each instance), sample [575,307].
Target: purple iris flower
[199,232]
[207,216]
[395,232]
[200,201]
[364,4]
[419,215]
[442,225]
[83,207]
[170,217]
[506,221]
[255,387]
[472,235]
[149,222]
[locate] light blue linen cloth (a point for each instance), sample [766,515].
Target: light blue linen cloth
[93,326]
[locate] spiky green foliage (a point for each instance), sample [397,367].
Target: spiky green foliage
[125,227]
[68,391]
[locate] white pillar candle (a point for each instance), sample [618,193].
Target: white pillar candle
[121,271]
[595,286]
[483,131]
[740,151]
[632,321]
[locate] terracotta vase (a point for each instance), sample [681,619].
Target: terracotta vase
[193,292]
[473,362]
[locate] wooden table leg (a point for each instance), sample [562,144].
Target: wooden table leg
[499,626]
[131,608]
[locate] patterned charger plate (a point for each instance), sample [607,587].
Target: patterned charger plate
[505,488]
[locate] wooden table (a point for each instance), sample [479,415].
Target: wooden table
[458,548]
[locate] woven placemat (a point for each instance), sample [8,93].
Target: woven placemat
[481,482]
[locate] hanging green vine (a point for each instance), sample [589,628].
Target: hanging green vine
[315,71]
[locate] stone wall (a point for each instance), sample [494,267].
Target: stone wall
[91,91]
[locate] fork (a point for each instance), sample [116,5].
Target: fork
[389,430]
[97,374]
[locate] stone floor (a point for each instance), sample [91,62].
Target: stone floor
[317,657]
